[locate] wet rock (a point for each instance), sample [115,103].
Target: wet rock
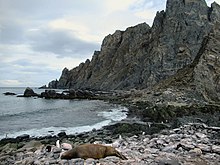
[29,92]
[23,137]
[9,93]
[62,134]
[48,94]
[43,87]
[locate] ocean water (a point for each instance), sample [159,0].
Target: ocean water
[41,117]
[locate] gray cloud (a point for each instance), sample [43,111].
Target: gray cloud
[60,42]
[26,72]
[11,32]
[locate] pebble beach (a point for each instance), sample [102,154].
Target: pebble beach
[190,144]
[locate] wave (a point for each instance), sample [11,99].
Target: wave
[115,114]
[55,130]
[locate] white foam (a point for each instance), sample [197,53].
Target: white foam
[116,114]
[56,130]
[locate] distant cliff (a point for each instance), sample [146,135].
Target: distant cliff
[185,35]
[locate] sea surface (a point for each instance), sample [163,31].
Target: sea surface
[42,117]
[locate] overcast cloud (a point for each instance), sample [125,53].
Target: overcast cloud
[38,38]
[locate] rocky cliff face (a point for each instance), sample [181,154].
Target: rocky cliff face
[142,56]
[206,74]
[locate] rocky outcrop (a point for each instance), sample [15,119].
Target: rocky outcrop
[53,84]
[9,93]
[142,56]
[43,87]
[68,94]
[206,77]
[202,76]
[29,92]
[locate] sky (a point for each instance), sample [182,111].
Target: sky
[38,38]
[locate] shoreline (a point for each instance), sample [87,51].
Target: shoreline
[193,143]
[145,113]
[143,135]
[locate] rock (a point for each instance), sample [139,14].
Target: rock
[53,84]
[186,146]
[170,148]
[9,147]
[168,162]
[48,94]
[43,87]
[178,50]
[200,135]
[61,134]
[90,161]
[32,145]
[23,137]
[196,152]
[139,149]
[29,92]
[9,93]
[204,147]
[216,149]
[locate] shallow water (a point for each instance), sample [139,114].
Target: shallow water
[40,117]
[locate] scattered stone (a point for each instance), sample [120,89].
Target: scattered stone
[216,149]
[168,162]
[200,135]
[163,149]
[196,152]
[204,147]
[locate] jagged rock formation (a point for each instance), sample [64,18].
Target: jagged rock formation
[202,76]
[142,56]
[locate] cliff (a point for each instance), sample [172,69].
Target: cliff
[143,56]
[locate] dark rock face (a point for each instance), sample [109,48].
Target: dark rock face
[202,76]
[207,71]
[43,87]
[69,94]
[142,56]
[53,84]
[9,93]
[29,92]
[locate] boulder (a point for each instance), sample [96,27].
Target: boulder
[23,137]
[62,134]
[48,94]
[9,93]
[29,92]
